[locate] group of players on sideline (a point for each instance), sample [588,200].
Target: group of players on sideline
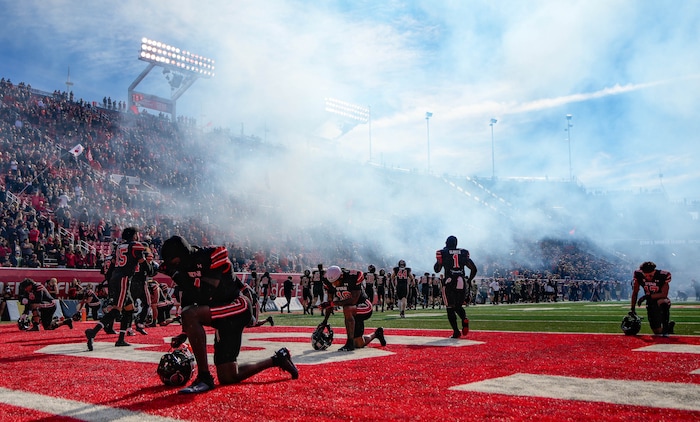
[210,294]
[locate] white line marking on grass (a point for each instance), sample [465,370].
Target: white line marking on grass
[664,395]
[535,309]
[670,348]
[261,345]
[74,409]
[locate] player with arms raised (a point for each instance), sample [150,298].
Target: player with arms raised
[454,260]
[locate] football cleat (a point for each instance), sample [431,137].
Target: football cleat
[140,329]
[379,334]
[456,334]
[283,360]
[465,326]
[90,335]
[121,343]
[270,321]
[69,323]
[201,384]
[349,347]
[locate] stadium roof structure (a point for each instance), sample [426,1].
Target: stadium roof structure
[181,69]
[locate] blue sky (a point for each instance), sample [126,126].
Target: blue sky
[628,71]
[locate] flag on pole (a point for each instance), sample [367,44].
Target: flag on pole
[77,150]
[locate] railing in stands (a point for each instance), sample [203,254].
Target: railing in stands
[64,233]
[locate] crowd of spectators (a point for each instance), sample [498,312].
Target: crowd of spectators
[61,208]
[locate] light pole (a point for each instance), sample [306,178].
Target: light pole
[428,115]
[568,137]
[369,124]
[493,156]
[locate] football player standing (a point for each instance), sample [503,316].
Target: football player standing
[381,288]
[370,281]
[401,277]
[128,256]
[454,260]
[306,298]
[317,278]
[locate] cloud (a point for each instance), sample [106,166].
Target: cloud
[626,70]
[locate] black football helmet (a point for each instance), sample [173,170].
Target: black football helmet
[631,324]
[371,268]
[24,322]
[402,264]
[322,337]
[176,367]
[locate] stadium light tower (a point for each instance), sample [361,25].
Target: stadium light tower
[69,84]
[181,69]
[428,115]
[352,115]
[493,155]
[568,138]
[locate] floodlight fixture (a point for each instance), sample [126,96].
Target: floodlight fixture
[167,56]
[181,69]
[352,111]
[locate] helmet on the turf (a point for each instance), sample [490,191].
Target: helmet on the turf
[176,367]
[322,337]
[631,324]
[24,322]
[333,273]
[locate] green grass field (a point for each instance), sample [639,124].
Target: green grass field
[573,317]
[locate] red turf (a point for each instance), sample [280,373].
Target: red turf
[410,382]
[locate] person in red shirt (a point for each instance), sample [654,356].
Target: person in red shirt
[71,259]
[34,234]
